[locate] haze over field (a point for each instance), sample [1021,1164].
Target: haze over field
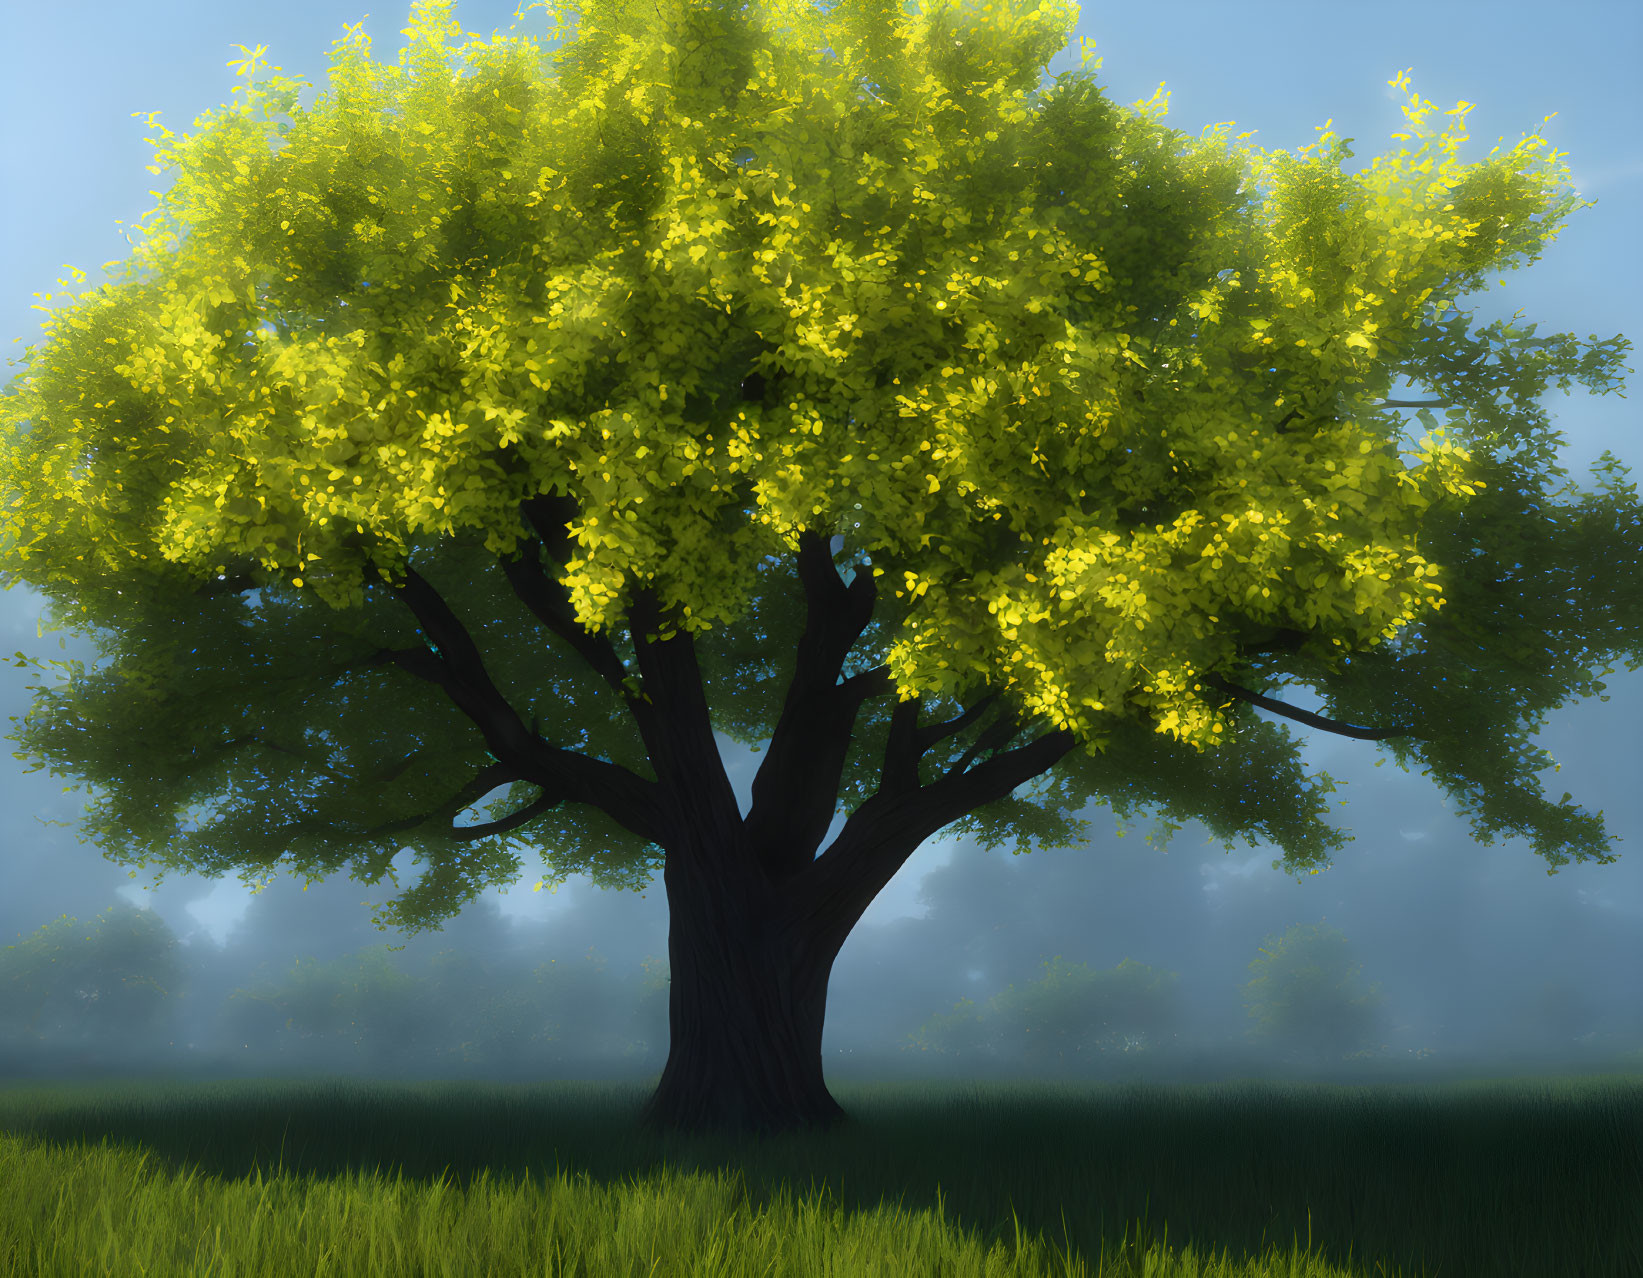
[1473,952]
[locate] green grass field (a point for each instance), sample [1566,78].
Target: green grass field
[1540,1178]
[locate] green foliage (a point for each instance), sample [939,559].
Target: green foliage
[1100,403]
[1305,996]
[960,1033]
[1072,1008]
[359,1002]
[1069,1015]
[462,1013]
[117,984]
[118,987]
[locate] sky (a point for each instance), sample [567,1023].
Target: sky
[1476,951]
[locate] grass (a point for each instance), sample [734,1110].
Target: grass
[244,1178]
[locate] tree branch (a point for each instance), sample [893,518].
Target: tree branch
[1306,716]
[392,772]
[885,829]
[994,737]
[630,800]
[550,600]
[487,780]
[796,787]
[933,733]
[833,891]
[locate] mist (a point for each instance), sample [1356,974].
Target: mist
[1420,952]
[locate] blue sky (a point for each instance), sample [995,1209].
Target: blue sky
[1435,920]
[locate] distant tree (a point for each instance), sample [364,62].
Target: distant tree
[359,1010]
[486,1021]
[961,1034]
[1066,1019]
[604,1016]
[365,1012]
[573,1015]
[1305,996]
[456,373]
[113,986]
[1075,1012]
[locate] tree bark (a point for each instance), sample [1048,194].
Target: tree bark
[756,915]
[745,1008]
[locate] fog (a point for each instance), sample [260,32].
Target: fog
[1419,951]
[1432,953]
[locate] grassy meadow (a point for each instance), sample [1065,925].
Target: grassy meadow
[245,1178]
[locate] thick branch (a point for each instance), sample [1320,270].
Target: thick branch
[796,787]
[885,829]
[832,892]
[487,780]
[674,724]
[1306,716]
[692,795]
[562,774]
[550,600]
[898,772]
[995,736]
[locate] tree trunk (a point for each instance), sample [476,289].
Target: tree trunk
[745,1008]
[755,917]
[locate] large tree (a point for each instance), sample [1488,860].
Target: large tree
[568,381]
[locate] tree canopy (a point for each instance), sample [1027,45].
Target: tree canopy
[562,363]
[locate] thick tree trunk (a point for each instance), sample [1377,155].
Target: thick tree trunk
[745,1009]
[755,916]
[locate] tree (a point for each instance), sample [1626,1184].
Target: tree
[114,995]
[365,1010]
[1070,1015]
[1073,1010]
[355,1009]
[112,988]
[536,404]
[1304,996]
